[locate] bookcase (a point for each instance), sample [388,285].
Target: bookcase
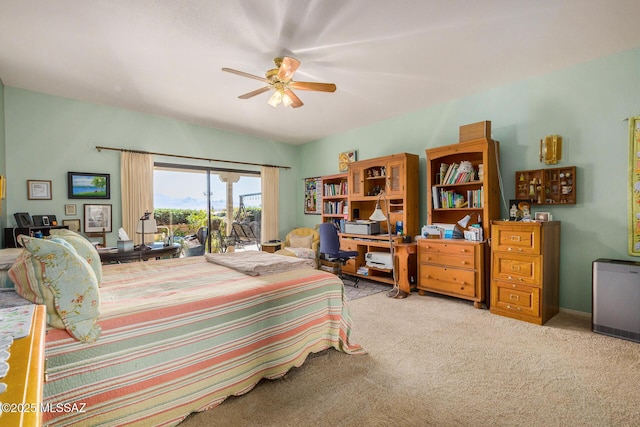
[452,196]
[458,267]
[335,200]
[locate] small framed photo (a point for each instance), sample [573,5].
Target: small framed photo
[38,190]
[70,210]
[97,218]
[73,224]
[543,216]
[345,158]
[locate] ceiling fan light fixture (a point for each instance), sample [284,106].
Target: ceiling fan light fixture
[286,101]
[275,99]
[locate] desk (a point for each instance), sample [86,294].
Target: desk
[158,250]
[403,251]
[25,379]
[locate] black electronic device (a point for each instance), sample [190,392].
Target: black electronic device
[44,220]
[23,219]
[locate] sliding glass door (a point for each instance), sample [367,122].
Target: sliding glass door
[188,199]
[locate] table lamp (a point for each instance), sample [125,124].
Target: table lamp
[377,215]
[148,222]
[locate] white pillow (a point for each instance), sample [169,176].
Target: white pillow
[301,241]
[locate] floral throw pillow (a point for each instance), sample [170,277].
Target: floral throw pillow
[53,274]
[84,248]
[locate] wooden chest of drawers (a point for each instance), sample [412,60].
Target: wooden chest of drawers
[525,270]
[452,267]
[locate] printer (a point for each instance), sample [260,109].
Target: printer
[379,260]
[362,227]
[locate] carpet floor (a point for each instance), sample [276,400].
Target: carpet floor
[437,361]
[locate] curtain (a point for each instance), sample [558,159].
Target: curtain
[136,176]
[270,196]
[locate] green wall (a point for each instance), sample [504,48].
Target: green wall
[48,136]
[585,104]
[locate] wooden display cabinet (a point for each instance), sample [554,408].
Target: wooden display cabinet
[398,176]
[552,186]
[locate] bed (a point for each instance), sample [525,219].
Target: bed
[179,336]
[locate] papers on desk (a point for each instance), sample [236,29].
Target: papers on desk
[16,321]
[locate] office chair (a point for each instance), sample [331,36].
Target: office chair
[330,248]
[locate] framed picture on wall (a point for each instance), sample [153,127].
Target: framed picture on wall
[38,190]
[83,185]
[97,218]
[73,224]
[313,197]
[70,210]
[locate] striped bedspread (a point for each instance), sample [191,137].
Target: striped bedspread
[181,335]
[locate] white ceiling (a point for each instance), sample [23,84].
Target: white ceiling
[386,57]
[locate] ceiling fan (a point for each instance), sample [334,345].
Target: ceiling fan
[279,79]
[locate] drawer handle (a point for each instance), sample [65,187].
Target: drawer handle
[515,238]
[512,308]
[514,297]
[515,268]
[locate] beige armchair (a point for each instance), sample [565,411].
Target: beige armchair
[302,243]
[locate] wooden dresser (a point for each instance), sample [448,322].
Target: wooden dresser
[525,270]
[25,379]
[452,267]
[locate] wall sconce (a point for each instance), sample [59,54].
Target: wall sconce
[551,149]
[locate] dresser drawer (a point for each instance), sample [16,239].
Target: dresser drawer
[445,259]
[348,245]
[515,298]
[516,239]
[447,280]
[446,247]
[512,268]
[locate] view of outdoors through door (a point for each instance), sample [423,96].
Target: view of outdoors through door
[206,209]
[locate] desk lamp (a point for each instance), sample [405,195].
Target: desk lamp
[152,228]
[377,215]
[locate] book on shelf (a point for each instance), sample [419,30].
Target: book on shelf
[444,167]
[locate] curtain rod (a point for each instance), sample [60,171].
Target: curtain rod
[100,148]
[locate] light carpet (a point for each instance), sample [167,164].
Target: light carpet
[437,361]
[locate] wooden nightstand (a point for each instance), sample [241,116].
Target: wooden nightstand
[271,247]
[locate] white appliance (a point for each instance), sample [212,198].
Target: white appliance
[616,298]
[362,227]
[379,260]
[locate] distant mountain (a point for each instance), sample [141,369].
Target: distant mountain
[168,202]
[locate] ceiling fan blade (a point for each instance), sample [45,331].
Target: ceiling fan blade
[255,92]
[320,87]
[242,73]
[287,68]
[295,101]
